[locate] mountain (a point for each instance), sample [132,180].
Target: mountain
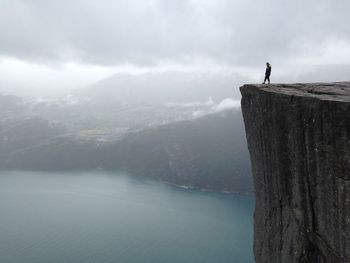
[207,153]
[154,124]
[161,88]
[127,101]
[10,105]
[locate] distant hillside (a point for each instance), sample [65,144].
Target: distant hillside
[208,153]
[10,104]
[161,88]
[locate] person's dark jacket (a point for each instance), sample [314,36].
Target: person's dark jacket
[268,71]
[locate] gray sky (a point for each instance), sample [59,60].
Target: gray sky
[59,45]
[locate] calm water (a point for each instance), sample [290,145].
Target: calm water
[99,217]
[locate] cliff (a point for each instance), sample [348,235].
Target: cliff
[299,141]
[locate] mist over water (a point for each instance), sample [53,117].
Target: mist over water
[101,217]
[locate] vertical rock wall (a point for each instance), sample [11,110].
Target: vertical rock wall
[299,142]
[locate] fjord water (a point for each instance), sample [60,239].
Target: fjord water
[103,217]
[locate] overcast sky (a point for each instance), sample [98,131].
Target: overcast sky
[58,45]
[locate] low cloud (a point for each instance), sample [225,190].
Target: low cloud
[228,104]
[109,32]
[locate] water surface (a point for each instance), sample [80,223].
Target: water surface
[101,217]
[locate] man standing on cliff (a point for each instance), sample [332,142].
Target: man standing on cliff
[267,72]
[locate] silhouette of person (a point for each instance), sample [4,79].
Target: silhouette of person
[267,72]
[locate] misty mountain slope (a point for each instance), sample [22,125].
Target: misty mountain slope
[10,105]
[20,128]
[207,152]
[19,134]
[160,88]
[138,101]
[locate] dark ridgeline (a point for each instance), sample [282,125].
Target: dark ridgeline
[299,142]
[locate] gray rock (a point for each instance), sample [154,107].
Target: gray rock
[299,141]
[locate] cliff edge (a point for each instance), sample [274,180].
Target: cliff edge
[299,142]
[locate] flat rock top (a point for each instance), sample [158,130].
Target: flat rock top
[335,91]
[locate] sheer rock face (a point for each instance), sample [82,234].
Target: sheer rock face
[299,142]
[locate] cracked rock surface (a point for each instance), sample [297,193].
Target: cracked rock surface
[299,141]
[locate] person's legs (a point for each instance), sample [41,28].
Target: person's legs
[268,79]
[265,79]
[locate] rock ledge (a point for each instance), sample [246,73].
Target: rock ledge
[299,142]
